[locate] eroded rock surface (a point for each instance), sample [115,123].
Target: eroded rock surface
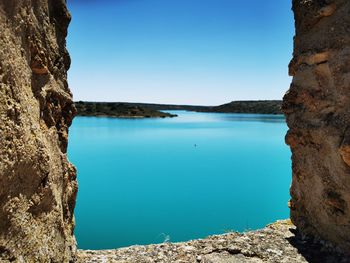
[37,183]
[317,107]
[276,243]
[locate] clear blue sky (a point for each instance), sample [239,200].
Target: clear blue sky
[204,52]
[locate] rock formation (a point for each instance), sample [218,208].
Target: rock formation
[37,183]
[274,243]
[317,109]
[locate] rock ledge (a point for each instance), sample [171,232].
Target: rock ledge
[275,243]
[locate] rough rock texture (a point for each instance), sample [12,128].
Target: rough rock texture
[317,109]
[37,183]
[276,243]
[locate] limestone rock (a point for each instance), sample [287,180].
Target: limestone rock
[317,109]
[274,243]
[37,183]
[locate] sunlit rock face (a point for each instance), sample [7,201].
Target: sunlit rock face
[37,183]
[317,107]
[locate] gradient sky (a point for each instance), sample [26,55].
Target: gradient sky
[204,52]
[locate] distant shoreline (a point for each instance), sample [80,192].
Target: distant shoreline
[131,110]
[118,110]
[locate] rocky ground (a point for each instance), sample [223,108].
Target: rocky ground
[275,243]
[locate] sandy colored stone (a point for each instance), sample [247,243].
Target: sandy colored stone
[37,183]
[317,110]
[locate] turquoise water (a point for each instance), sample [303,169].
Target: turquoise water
[145,181]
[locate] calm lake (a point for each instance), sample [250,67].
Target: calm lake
[144,181]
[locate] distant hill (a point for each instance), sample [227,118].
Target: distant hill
[169,106]
[149,110]
[248,106]
[118,109]
[255,106]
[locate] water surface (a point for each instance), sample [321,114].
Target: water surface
[144,181]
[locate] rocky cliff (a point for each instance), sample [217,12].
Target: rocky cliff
[317,109]
[37,183]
